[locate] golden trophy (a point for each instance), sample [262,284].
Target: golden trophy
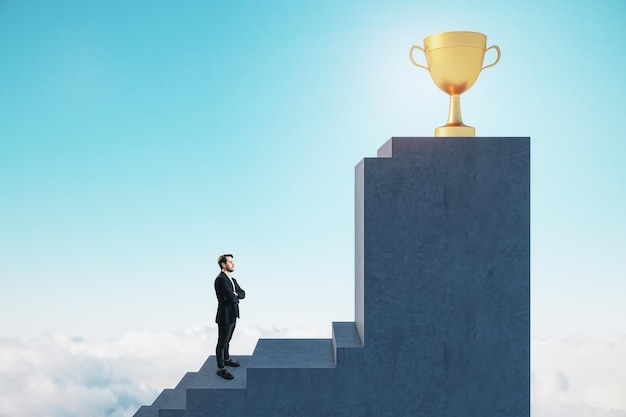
[454,61]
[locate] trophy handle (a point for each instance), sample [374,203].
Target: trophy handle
[497,48]
[421,49]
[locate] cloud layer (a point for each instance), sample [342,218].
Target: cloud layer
[57,376]
[579,376]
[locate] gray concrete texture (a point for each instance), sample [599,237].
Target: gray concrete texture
[442,300]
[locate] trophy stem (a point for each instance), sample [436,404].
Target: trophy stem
[454,114]
[455,126]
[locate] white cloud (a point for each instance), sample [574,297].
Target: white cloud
[579,376]
[57,376]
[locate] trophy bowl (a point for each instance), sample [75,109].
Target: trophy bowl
[454,61]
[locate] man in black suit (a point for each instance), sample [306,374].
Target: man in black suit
[228,295]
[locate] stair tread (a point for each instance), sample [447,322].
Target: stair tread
[170,399]
[293,353]
[146,411]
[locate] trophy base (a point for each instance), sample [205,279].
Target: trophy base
[455,131]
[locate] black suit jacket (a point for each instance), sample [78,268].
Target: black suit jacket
[227,301]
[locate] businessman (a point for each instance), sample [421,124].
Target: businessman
[228,294]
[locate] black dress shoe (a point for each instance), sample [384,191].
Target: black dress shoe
[231,362]
[225,374]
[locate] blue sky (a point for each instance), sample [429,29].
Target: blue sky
[139,140]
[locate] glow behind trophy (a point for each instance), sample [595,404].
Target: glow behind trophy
[454,61]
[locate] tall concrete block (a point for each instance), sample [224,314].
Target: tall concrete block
[442,281]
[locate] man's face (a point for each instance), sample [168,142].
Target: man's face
[229,265]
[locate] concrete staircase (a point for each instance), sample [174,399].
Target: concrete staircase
[273,359]
[442,300]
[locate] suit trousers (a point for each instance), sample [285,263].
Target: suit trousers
[223,341]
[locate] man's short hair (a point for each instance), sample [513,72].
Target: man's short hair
[222,259]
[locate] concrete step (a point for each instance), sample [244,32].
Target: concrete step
[172,413]
[171,399]
[146,411]
[347,344]
[293,353]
